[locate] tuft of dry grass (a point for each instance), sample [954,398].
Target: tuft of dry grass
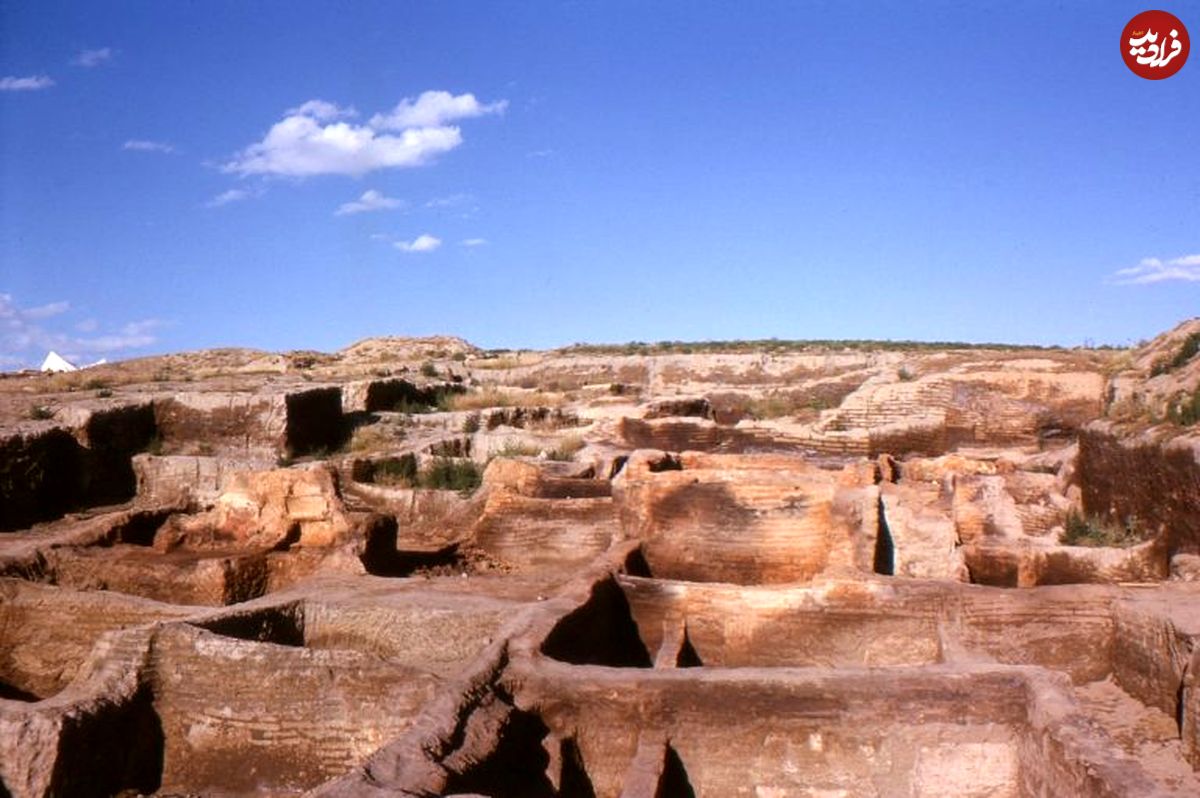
[567,448]
[492,397]
[374,438]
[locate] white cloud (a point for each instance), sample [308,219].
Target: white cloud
[226,197]
[474,242]
[46,311]
[371,200]
[31,83]
[144,145]
[1153,270]
[433,109]
[308,140]
[92,58]
[422,243]
[321,110]
[27,334]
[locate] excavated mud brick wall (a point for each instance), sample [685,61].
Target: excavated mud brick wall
[1158,485]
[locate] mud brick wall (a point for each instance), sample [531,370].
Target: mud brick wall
[1159,485]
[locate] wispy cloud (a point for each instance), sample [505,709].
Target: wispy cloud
[474,242]
[449,201]
[30,83]
[314,138]
[321,110]
[422,243]
[433,109]
[540,153]
[145,145]
[26,334]
[226,197]
[1154,270]
[93,58]
[46,311]
[371,200]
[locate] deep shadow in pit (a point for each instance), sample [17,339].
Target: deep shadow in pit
[10,692]
[517,766]
[674,782]
[600,632]
[46,474]
[140,527]
[885,546]
[381,557]
[283,625]
[117,749]
[315,422]
[41,477]
[115,437]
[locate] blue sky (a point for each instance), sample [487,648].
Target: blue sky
[535,174]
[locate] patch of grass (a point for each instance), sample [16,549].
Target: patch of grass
[513,448]
[96,383]
[104,393]
[442,473]
[471,424]
[567,449]
[1184,410]
[428,369]
[1089,530]
[446,473]
[401,471]
[371,437]
[411,407]
[495,363]
[40,412]
[1187,350]
[491,397]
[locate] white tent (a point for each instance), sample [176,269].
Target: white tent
[55,362]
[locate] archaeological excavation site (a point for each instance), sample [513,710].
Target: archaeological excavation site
[766,569]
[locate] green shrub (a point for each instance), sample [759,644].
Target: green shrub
[40,412]
[471,424]
[1187,350]
[1090,530]
[401,471]
[428,370]
[1184,410]
[446,473]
